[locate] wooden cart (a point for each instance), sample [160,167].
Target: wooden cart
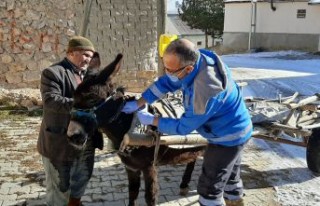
[291,120]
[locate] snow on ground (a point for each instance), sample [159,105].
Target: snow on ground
[270,74]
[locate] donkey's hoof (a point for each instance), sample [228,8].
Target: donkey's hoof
[184,191]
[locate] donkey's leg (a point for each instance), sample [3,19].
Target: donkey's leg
[184,186]
[134,185]
[151,185]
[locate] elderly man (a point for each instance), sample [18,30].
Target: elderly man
[214,107]
[67,169]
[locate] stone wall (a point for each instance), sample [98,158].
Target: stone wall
[34,34]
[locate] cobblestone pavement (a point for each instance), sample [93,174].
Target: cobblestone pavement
[271,176]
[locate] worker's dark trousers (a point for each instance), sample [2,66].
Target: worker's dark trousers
[220,177]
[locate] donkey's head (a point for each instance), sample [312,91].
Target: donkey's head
[96,104]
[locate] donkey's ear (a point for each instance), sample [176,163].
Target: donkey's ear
[109,70]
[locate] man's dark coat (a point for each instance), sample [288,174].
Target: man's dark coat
[58,84]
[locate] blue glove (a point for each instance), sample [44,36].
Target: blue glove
[130,107]
[145,117]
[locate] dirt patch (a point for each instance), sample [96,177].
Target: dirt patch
[25,98]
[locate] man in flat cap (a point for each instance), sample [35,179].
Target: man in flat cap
[67,169]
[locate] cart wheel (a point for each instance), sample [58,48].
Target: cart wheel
[313,152]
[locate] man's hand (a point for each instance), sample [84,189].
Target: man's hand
[133,106]
[130,107]
[145,117]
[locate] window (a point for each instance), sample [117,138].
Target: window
[301,13]
[199,43]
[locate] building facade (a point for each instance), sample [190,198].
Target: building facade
[272,25]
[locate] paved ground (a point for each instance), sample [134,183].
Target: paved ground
[272,176]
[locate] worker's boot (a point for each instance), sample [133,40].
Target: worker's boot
[74,202]
[238,202]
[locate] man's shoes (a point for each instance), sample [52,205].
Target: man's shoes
[74,202]
[238,202]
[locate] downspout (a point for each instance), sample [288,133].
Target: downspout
[319,44]
[272,6]
[255,24]
[253,18]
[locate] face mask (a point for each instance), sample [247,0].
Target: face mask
[173,78]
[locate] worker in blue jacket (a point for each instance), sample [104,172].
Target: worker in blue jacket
[214,107]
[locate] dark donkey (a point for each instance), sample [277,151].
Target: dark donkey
[96,106]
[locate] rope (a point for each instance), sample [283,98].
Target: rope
[168,108]
[156,148]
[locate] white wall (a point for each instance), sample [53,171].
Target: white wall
[199,38]
[283,20]
[237,17]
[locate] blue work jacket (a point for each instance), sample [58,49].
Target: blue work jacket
[213,103]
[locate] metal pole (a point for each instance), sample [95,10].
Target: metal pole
[161,28]
[254,24]
[85,21]
[250,28]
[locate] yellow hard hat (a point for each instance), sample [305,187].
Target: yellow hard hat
[164,41]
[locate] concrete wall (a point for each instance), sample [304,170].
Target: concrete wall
[279,29]
[195,38]
[34,34]
[199,38]
[170,27]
